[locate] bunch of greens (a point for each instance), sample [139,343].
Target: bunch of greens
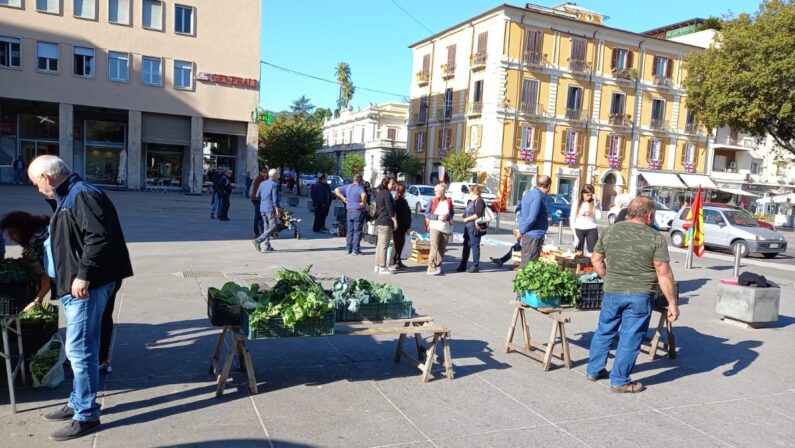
[43,313]
[295,296]
[41,363]
[352,294]
[234,294]
[547,280]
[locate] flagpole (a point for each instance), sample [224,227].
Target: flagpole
[689,258]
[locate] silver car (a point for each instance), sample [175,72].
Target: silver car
[729,228]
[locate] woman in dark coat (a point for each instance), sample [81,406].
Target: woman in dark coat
[403,215]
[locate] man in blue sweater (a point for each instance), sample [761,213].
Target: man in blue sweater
[268,194]
[534,220]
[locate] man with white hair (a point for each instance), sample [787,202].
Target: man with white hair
[87,255]
[268,194]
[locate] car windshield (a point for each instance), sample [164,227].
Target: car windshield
[660,206]
[558,199]
[740,218]
[426,191]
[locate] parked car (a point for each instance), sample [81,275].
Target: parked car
[459,193]
[419,195]
[307,180]
[662,215]
[730,228]
[558,206]
[762,223]
[334,178]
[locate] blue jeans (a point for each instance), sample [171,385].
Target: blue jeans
[83,322]
[625,316]
[471,242]
[353,234]
[259,224]
[216,204]
[269,226]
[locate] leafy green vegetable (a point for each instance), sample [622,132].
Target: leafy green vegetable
[45,313]
[234,294]
[294,297]
[548,281]
[354,293]
[42,363]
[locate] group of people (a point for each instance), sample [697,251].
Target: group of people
[80,258]
[222,192]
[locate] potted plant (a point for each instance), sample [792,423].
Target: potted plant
[545,285]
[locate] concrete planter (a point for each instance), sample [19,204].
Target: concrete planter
[749,306]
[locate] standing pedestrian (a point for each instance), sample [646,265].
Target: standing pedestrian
[249,181]
[88,256]
[403,215]
[476,208]
[215,200]
[355,199]
[632,258]
[385,224]
[270,208]
[585,213]
[19,171]
[320,193]
[439,222]
[224,194]
[534,221]
[258,223]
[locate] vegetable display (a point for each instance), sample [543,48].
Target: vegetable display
[43,313]
[547,280]
[42,363]
[294,297]
[234,294]
[351,293]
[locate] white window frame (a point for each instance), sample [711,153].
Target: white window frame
[621,59]
[144,60]
[420,141]
[86,63]
[651,111]
[119,8]
[616,141]
[48,4]
[144,3]
[82,2]
[623,101]
[9,41]
[690,153]
[445,138]
[17,5]
[190,77]
[655,150]
[112,59]
[57,58]
[192,31]
[665,61]
[528,139]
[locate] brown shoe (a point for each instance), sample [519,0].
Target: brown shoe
[629,388]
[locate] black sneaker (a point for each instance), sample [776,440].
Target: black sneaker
[497,261]
[75,429]
[473,268]
[65,413]
[461,268]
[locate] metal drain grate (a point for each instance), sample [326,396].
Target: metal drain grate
[202,274]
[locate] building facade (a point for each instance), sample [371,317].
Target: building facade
[132,94]
[534,90]
[369,132]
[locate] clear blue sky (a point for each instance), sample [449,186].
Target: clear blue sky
[312,36]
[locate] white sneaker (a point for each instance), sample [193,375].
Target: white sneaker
[434,272]
[384,271]
[375,269]
[392,268]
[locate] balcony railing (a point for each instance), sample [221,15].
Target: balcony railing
[658,124]
[662,81]
[620,120]
[419,118]
[423,78]
[623,74]
[692,128]
[735,141]
[477,61]
[448,71]
[475,108]
[533,58]
[578,65]
[531,109]
[444,113]
[575,114]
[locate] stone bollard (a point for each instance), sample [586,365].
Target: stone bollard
[748,306]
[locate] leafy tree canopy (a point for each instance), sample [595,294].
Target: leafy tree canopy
[352,164]
[747,80]
[291,141]
[410,167]
[392,161]
[459,165]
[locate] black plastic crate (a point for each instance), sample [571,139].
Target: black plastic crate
[659,298]
[35,333]
[222,314]
[591,296]
[377,311]
[275,327]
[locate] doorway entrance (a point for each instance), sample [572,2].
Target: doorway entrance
[566,187]
[521,183]
[608,191]
[30,149]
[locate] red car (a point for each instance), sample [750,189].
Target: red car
[761,223]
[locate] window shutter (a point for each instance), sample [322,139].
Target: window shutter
[654,66]
[451,55]
[426,64]
[563,141]
[523,138]
[536,138]
[480,134]
[580,142]
[614,59]
[483,39]
[649,150]
[669,67]
[629,60]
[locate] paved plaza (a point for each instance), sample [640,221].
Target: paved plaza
[728,386]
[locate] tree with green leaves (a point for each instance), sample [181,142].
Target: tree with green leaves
[352,164]
[323,163]
[459,165]
[302,106]
[347,89]
[392,161]
[321,113]
[410,167]
[746,79]
[291,141]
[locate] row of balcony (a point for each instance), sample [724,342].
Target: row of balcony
[476,62]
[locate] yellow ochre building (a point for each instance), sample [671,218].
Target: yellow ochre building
[535,90]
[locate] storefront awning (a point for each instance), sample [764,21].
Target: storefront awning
[694,180]
[656,179]
[738,192]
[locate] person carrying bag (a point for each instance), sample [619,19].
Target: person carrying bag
[474,228]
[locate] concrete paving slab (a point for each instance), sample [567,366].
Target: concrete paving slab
[782,403]
[546,435]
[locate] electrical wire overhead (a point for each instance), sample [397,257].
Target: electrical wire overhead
[330,81]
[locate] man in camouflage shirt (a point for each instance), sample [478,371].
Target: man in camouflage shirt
[632,258]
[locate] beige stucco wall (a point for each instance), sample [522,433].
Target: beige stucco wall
[226,41]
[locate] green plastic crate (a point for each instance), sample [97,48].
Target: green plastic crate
[377,311]
[275,328]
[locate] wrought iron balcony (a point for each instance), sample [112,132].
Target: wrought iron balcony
[575,114]
[620,120]
[658,124]
[662,81]
[692,128]
[578,65]
[448,71]
[533,58]
[419,118]
[444,113]
[475,108]
[477,61]
[423,78]
[531,109]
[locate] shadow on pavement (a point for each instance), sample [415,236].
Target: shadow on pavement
[243,443]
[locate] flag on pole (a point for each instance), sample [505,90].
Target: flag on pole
[695,225]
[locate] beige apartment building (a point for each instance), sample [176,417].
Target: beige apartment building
[132,93]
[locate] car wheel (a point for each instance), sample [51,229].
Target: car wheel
[677,239]
[417,208]
[743,247]
[773,255]
[611,219]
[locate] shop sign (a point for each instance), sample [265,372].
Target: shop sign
[225,80]
[569,172]
[525,168]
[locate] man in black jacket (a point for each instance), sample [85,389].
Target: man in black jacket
[224,186]
[87,256]
[321,198]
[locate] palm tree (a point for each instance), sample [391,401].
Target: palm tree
[302,106]
[343,74]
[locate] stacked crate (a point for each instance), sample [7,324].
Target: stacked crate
[420,251]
